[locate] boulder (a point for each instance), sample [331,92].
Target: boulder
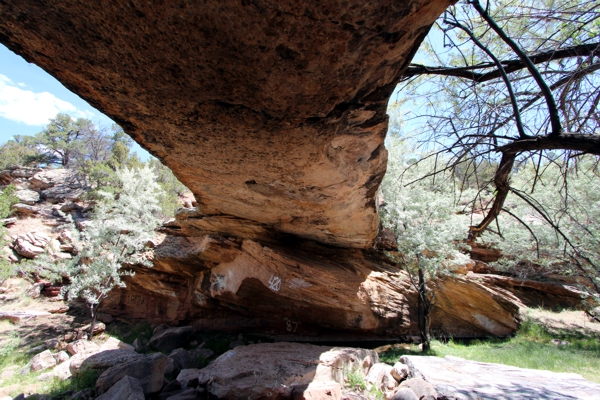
[115,344]
[399,371]
[456,378]
[148,370]
[43,360]
[61,356]
[421,388]
[181,358]
[188,377]
[277,370]
[63,370]
[404,393]
[63,193]
[106,318]
[24,209]
[172,368]
[8,221]
[102,361]
[170,339]
[31,245]
[47,178]
[320,390]
[127,388]
[26,196]
[139,345]
[99,328]
[380,375]
[82,346]
[10,174]
[35,290]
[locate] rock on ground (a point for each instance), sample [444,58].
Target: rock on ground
[461,379]
[148,370]
[82,346]
[171,339]
[43,360]
[404,393]
[102,360]
[380,375]
[18,316]
[421,388]
[127,388]
[276,369]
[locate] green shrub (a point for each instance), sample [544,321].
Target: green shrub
[7,199]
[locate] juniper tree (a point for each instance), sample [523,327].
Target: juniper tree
[428,221]
[123,225]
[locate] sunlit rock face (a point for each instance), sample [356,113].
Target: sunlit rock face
[272,112]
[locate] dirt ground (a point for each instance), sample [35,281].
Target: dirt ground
[574,321]
[36,330]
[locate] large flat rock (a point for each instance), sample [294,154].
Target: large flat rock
[461,379]
[272,112]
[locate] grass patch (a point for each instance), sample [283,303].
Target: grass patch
[355,380]
[530,348]
[87,379]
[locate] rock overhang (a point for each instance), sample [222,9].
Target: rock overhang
[272,113]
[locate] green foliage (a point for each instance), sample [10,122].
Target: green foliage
[60,141]
[7,199]
[355,380]
[123,224]
[466,124]
[6,268]
[426,215]
[18,151]
[171,187]
[85,380]
[9,345]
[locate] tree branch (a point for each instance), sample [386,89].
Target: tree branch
[509,65]
[552,108]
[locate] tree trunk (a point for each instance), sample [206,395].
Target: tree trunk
[424,312]
[94,314]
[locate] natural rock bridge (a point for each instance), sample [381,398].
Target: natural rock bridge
[274,115]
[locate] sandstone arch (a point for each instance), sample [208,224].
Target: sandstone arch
[274,114]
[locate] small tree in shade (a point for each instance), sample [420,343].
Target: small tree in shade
[123,225]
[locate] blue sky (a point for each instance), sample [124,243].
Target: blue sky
[29,97]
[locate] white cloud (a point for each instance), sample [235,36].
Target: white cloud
[32,108]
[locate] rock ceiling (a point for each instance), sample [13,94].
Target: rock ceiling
[272,113]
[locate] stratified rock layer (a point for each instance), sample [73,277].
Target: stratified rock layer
[272,112]
[300,288]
